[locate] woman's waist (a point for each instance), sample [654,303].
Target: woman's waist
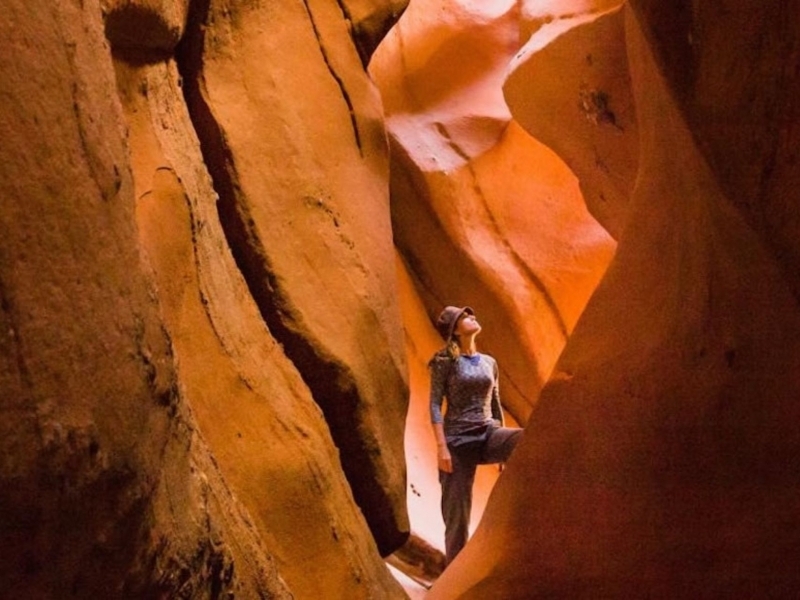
[463,424]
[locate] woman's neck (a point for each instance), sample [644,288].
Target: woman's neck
[467,346]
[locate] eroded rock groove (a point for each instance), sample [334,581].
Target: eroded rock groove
[330,381]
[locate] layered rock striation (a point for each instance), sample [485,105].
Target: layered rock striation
[108,488]
[204,378]
[205,382]
[484,214]
[303,203]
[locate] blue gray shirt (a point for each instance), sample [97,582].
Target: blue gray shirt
[470,384]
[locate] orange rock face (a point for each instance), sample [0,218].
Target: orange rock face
[480,209]
[267,434]
[204,288]
[660,459]
[107,488]
[594,130]
[318,264]
[483,215]
[160,441]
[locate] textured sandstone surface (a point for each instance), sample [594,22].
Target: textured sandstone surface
[483,214]
[268,436]
[204,381]
[593,131]
[662,455]
[107,488]
[158,439]
[304,204]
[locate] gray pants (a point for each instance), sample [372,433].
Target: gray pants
[457,486]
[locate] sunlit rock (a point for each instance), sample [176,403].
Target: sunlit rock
[203,380]
[560,14]
[661,458]
[291,130]
[483,214]
[582,106]
[158,440]
[267,435]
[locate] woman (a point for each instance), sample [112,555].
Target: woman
[471,432]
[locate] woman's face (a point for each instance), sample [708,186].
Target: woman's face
[467,325]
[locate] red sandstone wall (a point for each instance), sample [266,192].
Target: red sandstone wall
[303,202]
[203,378]
[483,213]
[661,458]
[159,439]
[108,489]
[583,109]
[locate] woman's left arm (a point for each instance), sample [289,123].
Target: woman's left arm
[497,408]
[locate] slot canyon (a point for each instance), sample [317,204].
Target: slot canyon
[228,227]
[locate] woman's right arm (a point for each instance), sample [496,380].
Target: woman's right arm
[439,369]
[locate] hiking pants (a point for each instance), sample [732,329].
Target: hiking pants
[457,486]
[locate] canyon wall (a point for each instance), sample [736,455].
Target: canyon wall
[204,380]
[206,375]
[108,488]
[484,214]
[661,458]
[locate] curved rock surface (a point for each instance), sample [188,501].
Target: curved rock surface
[583,105]
[268,436]
[203,381]
[743,113]
[144,29]
[481,210]
[107,488]
[159,441]
[304,204]
[661,458]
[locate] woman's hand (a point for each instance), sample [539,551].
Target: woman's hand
[445,460]
[442,451]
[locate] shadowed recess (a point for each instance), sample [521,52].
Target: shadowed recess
[139,35]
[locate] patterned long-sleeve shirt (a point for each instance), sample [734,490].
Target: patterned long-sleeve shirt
[470,384]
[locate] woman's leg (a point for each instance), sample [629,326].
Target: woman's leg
[457,499]
[500,444]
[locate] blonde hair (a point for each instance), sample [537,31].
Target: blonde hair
[453,350]
[450,353]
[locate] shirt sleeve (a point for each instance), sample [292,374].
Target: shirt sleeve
[439,368]
[497,408]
